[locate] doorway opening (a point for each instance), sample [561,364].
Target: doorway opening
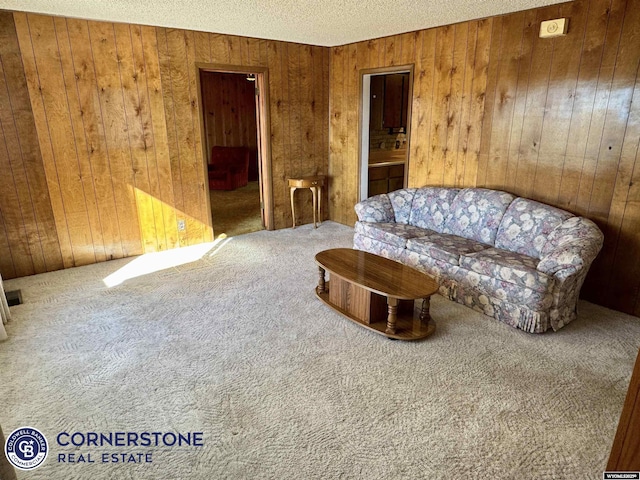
[385,129]
[237,160]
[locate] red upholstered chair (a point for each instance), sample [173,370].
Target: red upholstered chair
[228,168]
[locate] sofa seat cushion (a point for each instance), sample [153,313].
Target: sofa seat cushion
[368,244]
[506,266]
[501,289]
[457,282]
[446,248]
[395,234]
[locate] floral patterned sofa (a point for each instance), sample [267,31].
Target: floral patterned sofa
[514,259]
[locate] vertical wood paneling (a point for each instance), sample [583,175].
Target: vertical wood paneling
[118,146]
[174,171]
[440,121]
[294,118]
[92,127]
[624,218]
[161,179]
[13,221]
[480,66]
[504,98]
[18,191]
[235,45]
[581,114]
[83,167]
[100,135]
[203,48]
[559,104]
[23,170]
[286,97]
[461,147]
[337,138]
[186,166]
[602,90]
[134,110]
[305,128]
[535,113]
[237,111]
[323,118]
[529,34]
[494,105]
[491,75]
[53,187]
[43,68]
[409,44]
[198,210]
[276,59]
[147,178]
[613,164]
[454,115]
[219,48]
[422,105]
[351,105]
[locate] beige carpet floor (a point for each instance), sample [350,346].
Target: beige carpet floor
[236,212]
[234,343]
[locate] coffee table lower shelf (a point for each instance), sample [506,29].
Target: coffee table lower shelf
[409,326]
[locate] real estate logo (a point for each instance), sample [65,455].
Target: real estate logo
[26,448]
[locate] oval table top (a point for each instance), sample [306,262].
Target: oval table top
[377,274]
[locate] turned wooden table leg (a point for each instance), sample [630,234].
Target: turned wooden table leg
[425,316]
[293,206]
[321,281]
[314,193]
[319,205]
[392,303]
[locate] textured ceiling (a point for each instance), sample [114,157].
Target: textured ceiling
[327,22]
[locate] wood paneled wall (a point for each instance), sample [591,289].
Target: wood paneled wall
[229,105]
[28,233]
[298,96]
[101,150]
[556,120]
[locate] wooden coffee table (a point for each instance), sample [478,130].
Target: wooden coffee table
[376,293]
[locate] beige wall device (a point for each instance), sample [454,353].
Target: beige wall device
[554,28]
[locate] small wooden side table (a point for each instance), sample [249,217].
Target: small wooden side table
[315,183]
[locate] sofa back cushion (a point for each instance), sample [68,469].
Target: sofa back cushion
[526,226]
[476,213]
[401,201]
[431,207]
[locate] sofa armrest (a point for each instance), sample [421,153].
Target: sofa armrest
[572,246]
[567,260]
[375,209]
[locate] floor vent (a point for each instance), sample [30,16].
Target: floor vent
[14,297]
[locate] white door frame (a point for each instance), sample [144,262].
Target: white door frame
[365,113]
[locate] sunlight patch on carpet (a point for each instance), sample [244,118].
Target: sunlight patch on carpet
[157,261]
